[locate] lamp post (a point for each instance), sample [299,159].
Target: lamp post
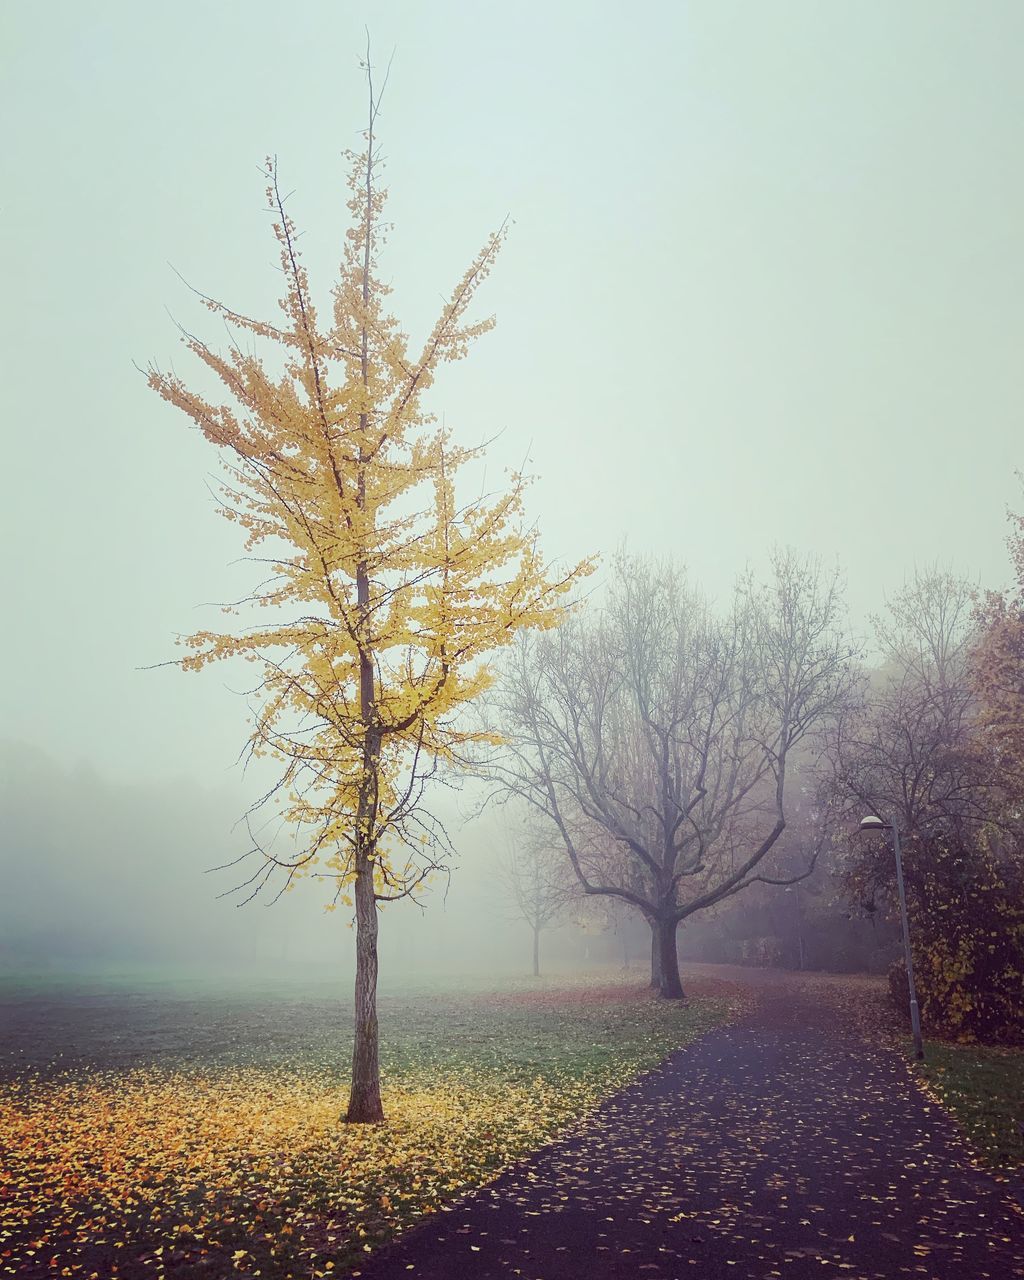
[874,823]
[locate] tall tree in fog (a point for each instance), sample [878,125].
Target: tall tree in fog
[384,596]
[535,882]
[656,735]
[911,750]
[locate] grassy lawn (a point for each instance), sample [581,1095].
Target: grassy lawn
[171,1132]
[984,1089]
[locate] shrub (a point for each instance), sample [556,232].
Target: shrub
[967,935]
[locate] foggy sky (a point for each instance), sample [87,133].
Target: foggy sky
[764,284]
[102,875]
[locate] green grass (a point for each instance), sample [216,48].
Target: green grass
[984,1090]
[510,1027]
[525,1041]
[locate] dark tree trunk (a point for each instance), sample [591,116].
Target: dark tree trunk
[655,958]
[536,953]
[799,928]
[665,938]
[364,1104]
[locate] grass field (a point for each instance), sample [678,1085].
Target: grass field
[179,1129]
[984,1089]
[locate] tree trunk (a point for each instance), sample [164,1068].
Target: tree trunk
[665,937]
[536,953]
[364,1104]
[655,958]
[799,927]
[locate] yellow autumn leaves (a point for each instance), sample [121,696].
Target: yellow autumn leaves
[387,598]
[241,1159]
[172,1167]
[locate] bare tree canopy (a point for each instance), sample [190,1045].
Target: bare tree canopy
[910,751]
[656,735]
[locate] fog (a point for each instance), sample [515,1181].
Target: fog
[102,875]
[763,286]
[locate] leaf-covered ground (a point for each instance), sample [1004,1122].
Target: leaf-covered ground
[180,1133]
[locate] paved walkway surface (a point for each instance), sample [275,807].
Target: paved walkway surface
[783,1145]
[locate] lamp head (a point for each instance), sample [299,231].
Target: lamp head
[873,823]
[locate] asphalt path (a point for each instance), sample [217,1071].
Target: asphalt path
[788,1144]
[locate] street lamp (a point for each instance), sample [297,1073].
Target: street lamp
[874,823]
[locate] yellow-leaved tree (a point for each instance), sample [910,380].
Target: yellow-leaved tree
[386,597]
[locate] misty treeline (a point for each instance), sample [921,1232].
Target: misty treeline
[694,761]
[110,873]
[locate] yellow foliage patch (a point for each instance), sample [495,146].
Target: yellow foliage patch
[190,1164]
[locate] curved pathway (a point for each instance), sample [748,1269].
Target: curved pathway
[784,1145]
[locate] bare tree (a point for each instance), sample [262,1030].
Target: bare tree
[913,751]
[655,736]
[535,882]
[910,750]
[612,916]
